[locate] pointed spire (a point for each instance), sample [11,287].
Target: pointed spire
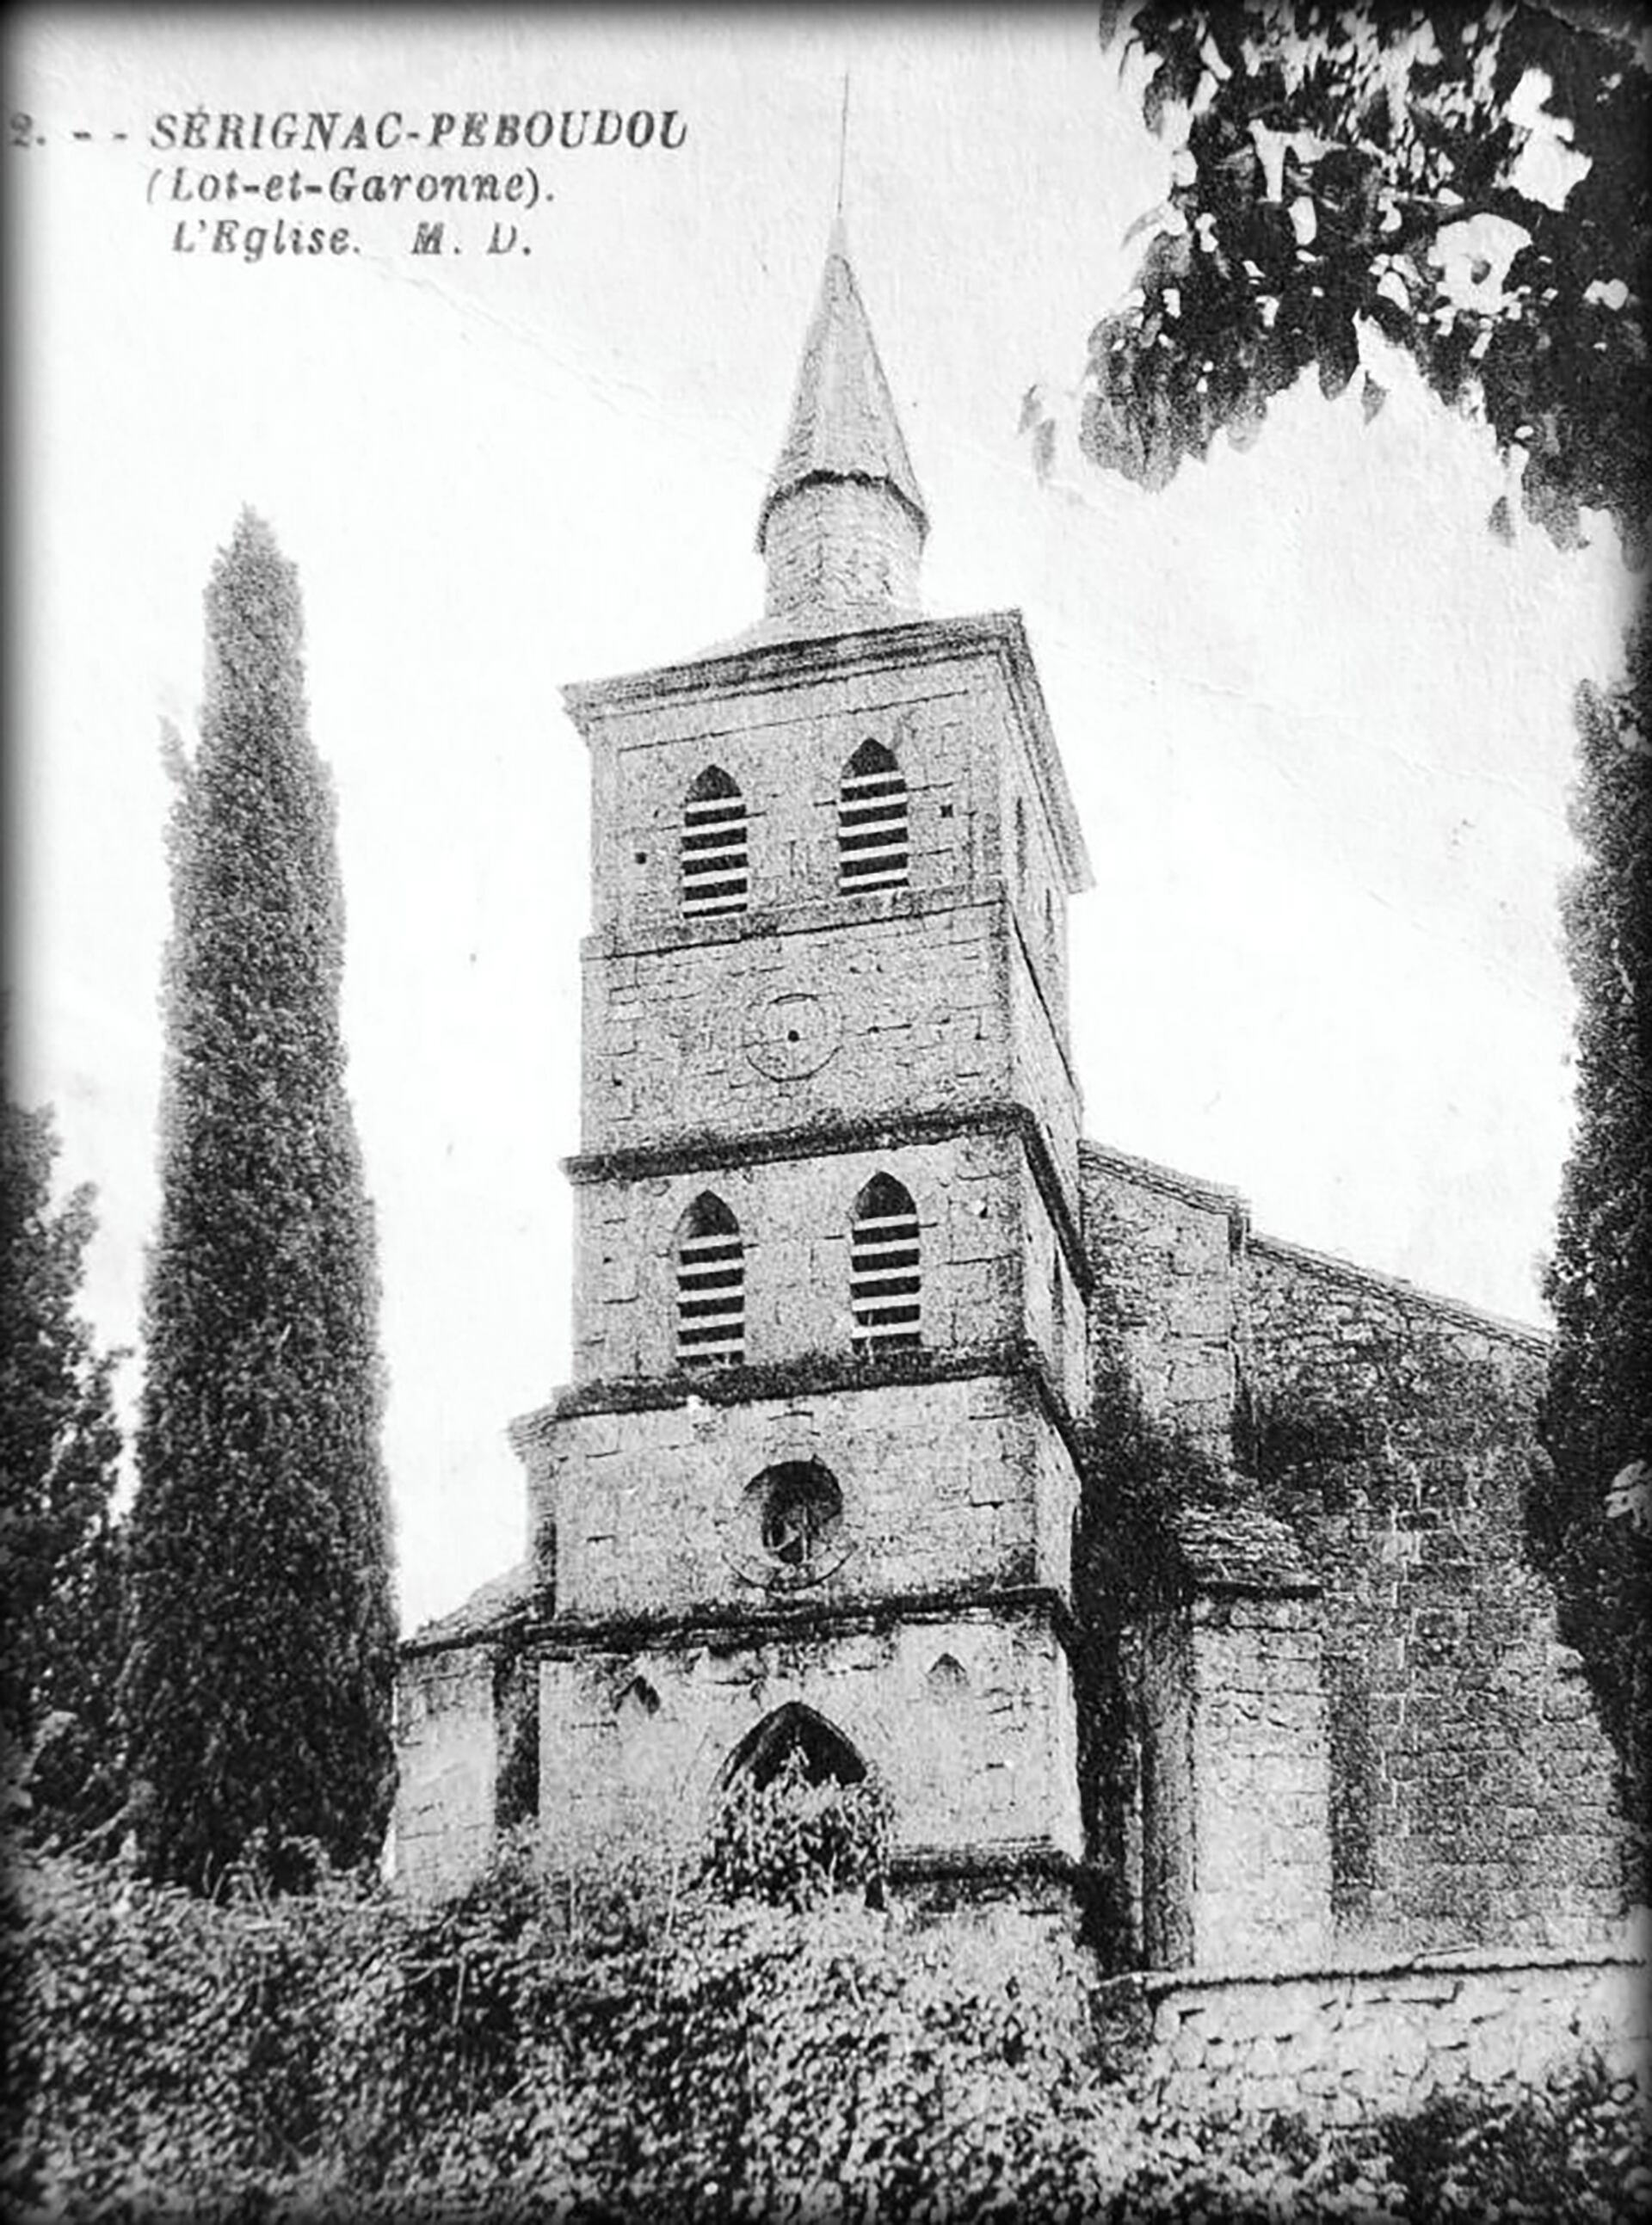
[843,429]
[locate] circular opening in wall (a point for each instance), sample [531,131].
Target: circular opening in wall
[796,1509]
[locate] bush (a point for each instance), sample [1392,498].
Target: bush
[1575,2147]
[599,2048]
[159,2041]
[796,1842]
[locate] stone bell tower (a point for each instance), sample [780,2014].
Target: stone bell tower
[813,1482]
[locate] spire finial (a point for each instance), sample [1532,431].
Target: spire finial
[843,146]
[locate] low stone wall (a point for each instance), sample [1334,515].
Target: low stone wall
[1337,2043]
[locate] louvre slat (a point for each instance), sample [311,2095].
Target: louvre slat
[714,860]
[873,834]
[884,1282]
[710,1288]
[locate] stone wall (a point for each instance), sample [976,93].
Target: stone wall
[1024,855]
[447,1757]
[1260,1780]
[1162,1897]
[1053,1310]
[786,747]
[1336,2044]
[795,1215]
[1163,1250]
[1231,1843]
[1040,1073]
[944,1484]
[897,1003]
[995,1265]
[922,998]
[1474,1792]
[938,695]
[967,1719]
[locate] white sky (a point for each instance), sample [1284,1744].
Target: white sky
[1316,719]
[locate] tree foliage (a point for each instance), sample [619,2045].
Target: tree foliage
[1470,183]
[59,1449]
[1593,1510]
[256,1691]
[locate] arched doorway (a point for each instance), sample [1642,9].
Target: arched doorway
[824,1755]
[798,1815]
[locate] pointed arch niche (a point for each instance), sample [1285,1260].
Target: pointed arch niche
[638,1704]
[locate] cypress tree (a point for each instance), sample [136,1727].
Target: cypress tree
[256,1687]
[1590,1511]
[60,1445]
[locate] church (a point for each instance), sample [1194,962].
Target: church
[862,1324]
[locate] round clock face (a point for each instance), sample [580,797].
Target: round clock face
[792,1036]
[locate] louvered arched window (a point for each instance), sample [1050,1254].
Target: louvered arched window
[715,864]
[711,1286]
[873,845]
[884,1271]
